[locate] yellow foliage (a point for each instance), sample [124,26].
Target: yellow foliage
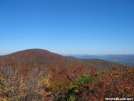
[4,99]
[46,81]
[5,90]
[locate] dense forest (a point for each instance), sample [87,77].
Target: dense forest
[39,75]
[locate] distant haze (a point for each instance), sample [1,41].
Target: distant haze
[126,59]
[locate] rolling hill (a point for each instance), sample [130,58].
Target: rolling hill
[38,57]
[125,59]
[44,58]
[99,63]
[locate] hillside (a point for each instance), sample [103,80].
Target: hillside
[122,59]
[98,64]
[37,57]
[45,58]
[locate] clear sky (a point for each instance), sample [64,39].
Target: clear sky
[67,26]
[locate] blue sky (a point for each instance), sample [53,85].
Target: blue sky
[67,26]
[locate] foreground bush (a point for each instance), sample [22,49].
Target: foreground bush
[31,86]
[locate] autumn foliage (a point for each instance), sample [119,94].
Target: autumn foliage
[37,81]
[65,84]
[118,82]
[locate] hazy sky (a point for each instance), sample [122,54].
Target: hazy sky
[67,26]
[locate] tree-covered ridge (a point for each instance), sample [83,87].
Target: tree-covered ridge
[40,58]
[36,57]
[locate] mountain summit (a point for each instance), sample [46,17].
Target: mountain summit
[37,56]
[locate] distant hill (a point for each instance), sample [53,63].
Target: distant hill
[123,59]
[101,64]
[38,57]
[44,58]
